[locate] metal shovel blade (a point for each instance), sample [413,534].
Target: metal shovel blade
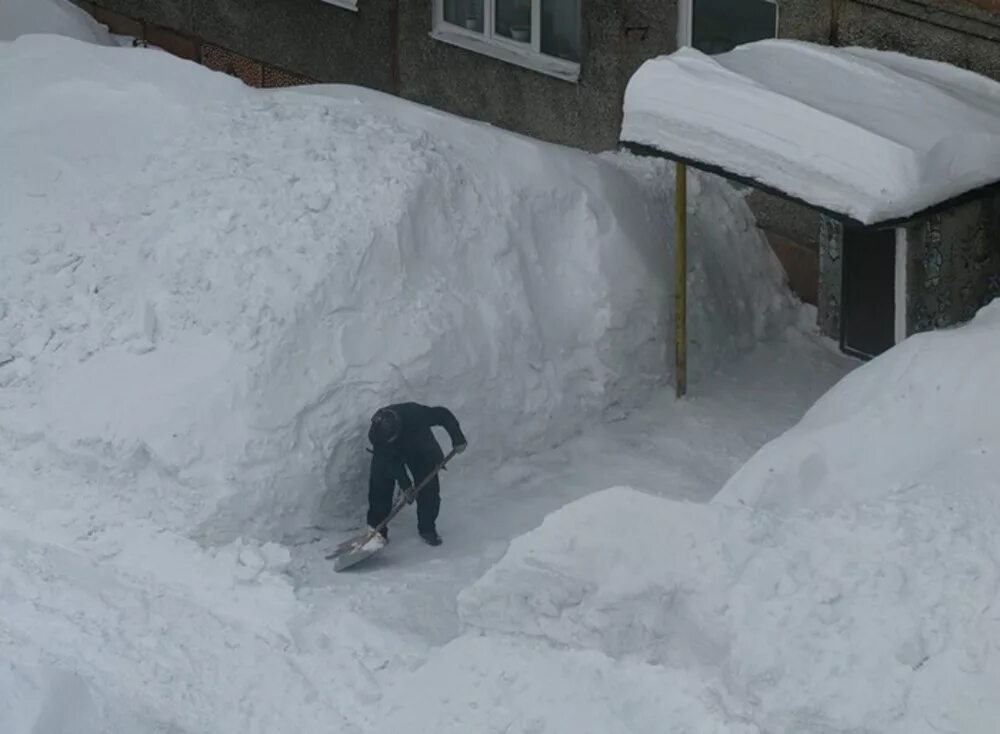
[354,552]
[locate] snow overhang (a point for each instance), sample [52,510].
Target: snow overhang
[865,136]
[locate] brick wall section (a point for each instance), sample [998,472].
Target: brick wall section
[252,71]
[219,59]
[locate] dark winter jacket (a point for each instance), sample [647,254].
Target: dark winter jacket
[414,444]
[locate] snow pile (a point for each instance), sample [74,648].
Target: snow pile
[47,701]
[873,134]
[846,580]
[61,17]
[879,619]
[137,627]
[911,421]
[499,685]
[208,289]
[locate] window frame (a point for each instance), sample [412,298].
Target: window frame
[685,20]
[489,43]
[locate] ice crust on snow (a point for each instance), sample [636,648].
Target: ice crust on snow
[201,316]
[60,17]
[875,135]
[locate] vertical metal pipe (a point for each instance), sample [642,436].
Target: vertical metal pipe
[680,281]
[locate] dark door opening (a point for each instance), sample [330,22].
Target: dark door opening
[868,301]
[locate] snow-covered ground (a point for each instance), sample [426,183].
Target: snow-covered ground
[206,291]
[243,638]
[847,579]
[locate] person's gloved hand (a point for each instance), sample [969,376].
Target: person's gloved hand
[459,448]
[406,489]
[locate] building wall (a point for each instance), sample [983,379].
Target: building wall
[831,276]
[309,38]
[961,32]
[386,45]
[952,269]
[584,114]
[954,264]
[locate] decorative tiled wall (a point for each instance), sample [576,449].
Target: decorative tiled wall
[953,267]
[954,264]
[831,238]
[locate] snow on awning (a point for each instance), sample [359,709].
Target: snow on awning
[867,135]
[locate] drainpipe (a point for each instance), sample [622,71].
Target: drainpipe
[834,37]
[394,35]
[680,281]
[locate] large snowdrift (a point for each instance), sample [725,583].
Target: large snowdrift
[43,699]
[133,630]
[917,419]
[61,17]
[847,580]
[207,289]
[881,618]
[872,134]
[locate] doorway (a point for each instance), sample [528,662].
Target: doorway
[868,300]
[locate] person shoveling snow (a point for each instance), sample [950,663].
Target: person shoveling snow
[401,439]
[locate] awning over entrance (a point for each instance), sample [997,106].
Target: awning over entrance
[863,135]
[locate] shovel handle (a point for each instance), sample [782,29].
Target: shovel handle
[361,541]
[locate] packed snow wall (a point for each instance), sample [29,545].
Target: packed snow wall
[926,404]
[21,17]
[204,310]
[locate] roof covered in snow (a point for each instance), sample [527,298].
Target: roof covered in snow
[867,135]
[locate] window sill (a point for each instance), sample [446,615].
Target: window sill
[568,71]
[345,4]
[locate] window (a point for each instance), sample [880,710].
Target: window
[717,26]
[543,35]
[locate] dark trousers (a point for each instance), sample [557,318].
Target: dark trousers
[382,485]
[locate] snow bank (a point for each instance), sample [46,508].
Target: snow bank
[912,419]
[875,619]
[508,686]
[61,17]
[872,134]
[131,631]
[845,580]
[40,700]
[208,289]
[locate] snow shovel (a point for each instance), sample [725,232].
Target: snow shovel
[351,552]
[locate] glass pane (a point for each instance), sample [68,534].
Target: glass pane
[465,13]
[561,29]
[514,19]
[721,25]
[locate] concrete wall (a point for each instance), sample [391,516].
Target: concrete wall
[959,32]
[308,37]
[386,45]
[585,114]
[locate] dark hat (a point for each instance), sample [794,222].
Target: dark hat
[385,427]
